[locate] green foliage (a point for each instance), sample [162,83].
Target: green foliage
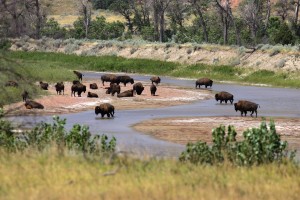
[260,146]
[279,32]
[53,30]
[45,135]
[102,4]
[4,44]
[147,33]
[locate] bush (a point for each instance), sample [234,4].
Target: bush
[4,44]
[53,30]
[45,135]
[260,146]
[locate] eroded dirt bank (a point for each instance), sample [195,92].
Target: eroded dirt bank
[192,129]
[63,104]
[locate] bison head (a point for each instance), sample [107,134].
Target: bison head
[131,81]
[97,110]
[217,97]
[235,107]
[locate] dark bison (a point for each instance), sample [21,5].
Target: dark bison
[153,89]
[29,104]
[245,106]
[138,88]
[124,79]
[113,88]
[92,95]
[224,96]
[78,74]
[59,86]
[79,88]
[108,78]
[105,109]
[75,82]
[11,84]
[93,86]
[127,93]
[155,79]
[44,86]
[204,81]
[24,95]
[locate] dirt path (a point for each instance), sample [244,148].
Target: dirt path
[62,104]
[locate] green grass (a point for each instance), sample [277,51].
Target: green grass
[48,175]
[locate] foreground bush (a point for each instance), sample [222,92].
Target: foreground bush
[45,135]
[260,146]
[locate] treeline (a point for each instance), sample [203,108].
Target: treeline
[249,22]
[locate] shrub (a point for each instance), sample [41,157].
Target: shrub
[280,63]
[4,44]
[260,146]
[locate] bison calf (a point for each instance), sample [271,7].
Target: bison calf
[153,89]
[245,106]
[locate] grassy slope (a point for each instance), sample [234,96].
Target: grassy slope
[49,176]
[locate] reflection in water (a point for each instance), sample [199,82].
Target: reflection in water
[273,102]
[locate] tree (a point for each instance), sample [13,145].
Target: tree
[85,11]
[282,8]
[124,7]
[142,14]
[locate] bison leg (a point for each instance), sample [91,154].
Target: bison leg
[108,115]
[245,113]
[226,101]
[256,113]
[102,114]
[231,101]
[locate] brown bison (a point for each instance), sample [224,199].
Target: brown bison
[93,86]
[78,74]
[204,81]
[60,87]
[245,106]
[92,95]
[138,88]
[11,84]
[112,89]
[153,89]
[75,82]
[124,80]
[24,95]
[108,78]
[44,86]
[105,109]
[155,79]
[79,88]
[127,93]
[224,96]
[29,104]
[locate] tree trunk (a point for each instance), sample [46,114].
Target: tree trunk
[296,12]
[162,27]
[38,20]
[155,17]
[202,23]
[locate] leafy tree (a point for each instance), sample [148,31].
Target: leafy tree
[53,30]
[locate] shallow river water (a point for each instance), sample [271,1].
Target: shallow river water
[281,102]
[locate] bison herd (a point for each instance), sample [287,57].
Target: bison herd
[114,87]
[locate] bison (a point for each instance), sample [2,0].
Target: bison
[113,88]
[127,93]
[155,79]
[29,104]
[92,95]
[245,106]
[204,81]
[59,86]
[124,80]
[11,84]
[108,78]
[138,88]
[153,89]
[93,86]
[75,82]
[224,96]
[24,95]
[78,74]
[79,88]
[105,109]
[44,86]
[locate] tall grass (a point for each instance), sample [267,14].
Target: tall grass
[47,175]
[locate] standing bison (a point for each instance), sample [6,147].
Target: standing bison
[24,95]
[92,95]
[79,88]
[245,106]
[124,80]
[127,93]
[204,81]
[224,96]
[105,109]
[108,78]
[78,74]
[153,89]
[59,86]
[112,89]
[93,86]
[29,104]
[44,86]
[155,79]
[138,88]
